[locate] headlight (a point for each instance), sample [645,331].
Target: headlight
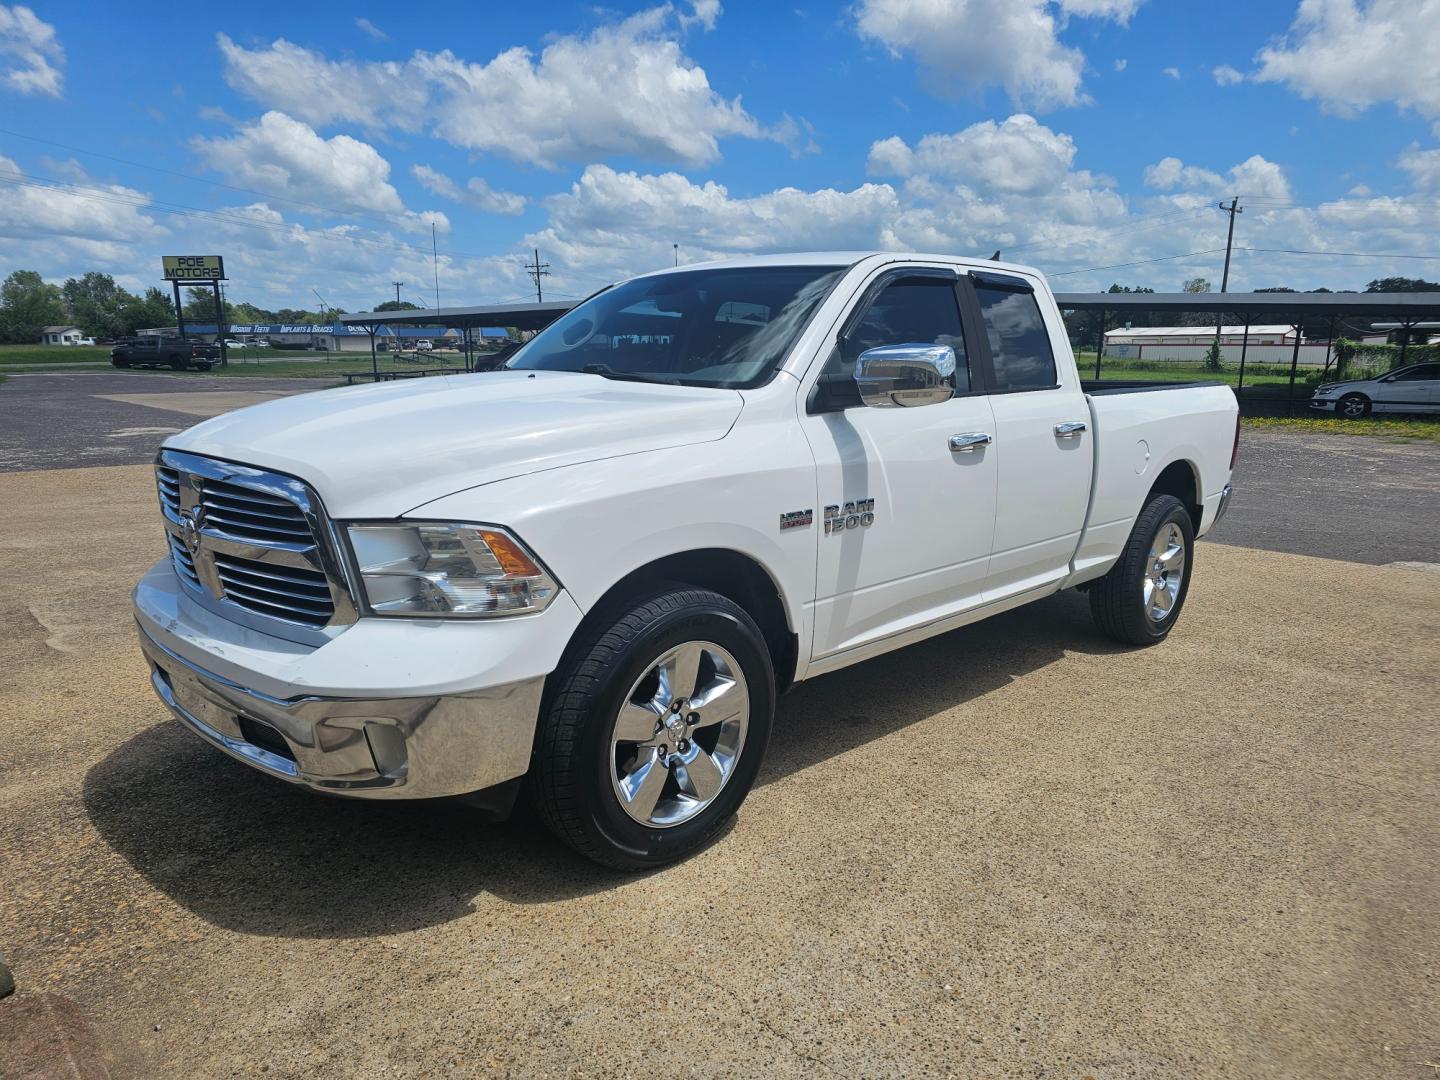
[448,569]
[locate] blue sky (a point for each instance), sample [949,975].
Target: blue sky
[314,145]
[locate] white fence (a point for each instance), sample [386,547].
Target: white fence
[1312,355]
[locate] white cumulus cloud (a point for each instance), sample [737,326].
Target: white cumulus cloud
[1350,55]
[1254,176]
[476,192]
[1225,75]
[966,46]
[1016,155]
[625,88]
[30,54]
[285,157]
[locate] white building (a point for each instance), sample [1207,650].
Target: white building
[63,335]
[1198,335]
[1271,344]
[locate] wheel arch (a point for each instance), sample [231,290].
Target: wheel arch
[1182,479]
[735,575]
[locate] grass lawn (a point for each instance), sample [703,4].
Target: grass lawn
[54,354]
[1154,371]
[1391,427]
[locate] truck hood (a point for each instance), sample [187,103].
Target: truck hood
[380,450]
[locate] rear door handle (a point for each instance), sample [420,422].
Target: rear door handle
[1071,429]
[969,443]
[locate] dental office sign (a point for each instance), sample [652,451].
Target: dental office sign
[194,268]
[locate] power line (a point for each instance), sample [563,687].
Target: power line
[1140,262]
[1344,254]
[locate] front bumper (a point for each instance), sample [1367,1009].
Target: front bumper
[407,748]
[391,708]
[1324,404]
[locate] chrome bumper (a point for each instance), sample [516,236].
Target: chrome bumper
[1225,495]
[397,748]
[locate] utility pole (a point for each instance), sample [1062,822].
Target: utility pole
[1233,209]
[677,253]
[435,260]
[397,285]
[537,270]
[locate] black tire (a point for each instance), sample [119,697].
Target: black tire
[177,364]
[572,786]
[202,367]
[1353,407]
[1117,601]
[120,363]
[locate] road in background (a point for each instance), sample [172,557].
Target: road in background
[66,421]
[1356,497]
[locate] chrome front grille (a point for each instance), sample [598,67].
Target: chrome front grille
[253,515]
[254,545]
[271,589]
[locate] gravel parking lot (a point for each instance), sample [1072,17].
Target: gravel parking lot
[1015,850]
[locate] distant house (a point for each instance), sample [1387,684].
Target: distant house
[1198,335]
[61,335]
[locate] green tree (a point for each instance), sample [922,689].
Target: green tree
[148,311]
[95,303]
[27,305]
[396,305]
[1402,284]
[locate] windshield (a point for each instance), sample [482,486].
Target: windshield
[724,327]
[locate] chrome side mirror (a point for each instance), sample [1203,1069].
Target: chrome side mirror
[905,375]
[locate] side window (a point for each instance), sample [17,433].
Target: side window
[1019,342]
[918,310]
[1420,374]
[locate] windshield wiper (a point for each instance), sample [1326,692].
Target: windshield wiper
[606,371]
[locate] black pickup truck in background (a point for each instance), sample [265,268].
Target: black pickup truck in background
[176,353]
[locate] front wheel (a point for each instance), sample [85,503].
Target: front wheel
[655,728]
[1140,599]
[1353,407]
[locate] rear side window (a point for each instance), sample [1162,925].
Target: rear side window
[1019,342]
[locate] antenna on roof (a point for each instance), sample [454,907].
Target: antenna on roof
[996,256]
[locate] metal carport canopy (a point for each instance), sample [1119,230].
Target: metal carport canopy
[520,316]
[1414,305]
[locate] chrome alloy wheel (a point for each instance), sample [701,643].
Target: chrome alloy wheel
[1164,573]
[679,734]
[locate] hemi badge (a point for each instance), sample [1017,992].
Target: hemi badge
[794,519]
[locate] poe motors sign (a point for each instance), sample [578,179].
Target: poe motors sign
[194,268]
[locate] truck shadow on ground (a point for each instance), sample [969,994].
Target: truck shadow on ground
[255,856]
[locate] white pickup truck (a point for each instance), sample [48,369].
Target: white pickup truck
[593,571]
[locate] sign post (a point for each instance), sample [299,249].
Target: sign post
[198,270]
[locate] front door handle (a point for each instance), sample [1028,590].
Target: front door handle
[969,443]
[1071,429]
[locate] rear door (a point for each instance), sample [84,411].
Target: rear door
[1044,447]
[905,516]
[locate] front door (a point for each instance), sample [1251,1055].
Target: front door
[904,522]
[1411,390]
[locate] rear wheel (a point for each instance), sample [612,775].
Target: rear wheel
[177,364]
[1140,599]
[655,729]
[120,363]
[204,366]
[1353,407]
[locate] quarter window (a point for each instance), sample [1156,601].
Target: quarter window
[1019,343]
[1420,374]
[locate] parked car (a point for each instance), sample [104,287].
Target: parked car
[596,569]
[231,343]
[424,345]
[177,353]
[1412,389]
